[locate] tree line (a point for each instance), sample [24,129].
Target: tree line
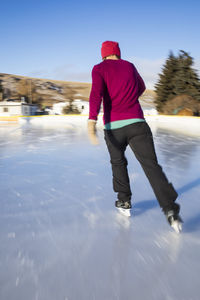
[177,89]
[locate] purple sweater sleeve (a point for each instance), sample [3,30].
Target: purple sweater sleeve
[141,85]
[96,94]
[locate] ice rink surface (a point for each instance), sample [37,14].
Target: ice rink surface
[60,236]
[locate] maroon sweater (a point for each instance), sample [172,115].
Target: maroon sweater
[119,84]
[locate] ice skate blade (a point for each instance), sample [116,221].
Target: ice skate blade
[177,226]
[124,211]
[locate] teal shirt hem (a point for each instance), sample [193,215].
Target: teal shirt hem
[121,123]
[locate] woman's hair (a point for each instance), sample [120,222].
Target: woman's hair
[111,55]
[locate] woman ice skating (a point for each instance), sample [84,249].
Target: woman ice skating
[118,83]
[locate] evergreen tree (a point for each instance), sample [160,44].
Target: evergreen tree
[177,77]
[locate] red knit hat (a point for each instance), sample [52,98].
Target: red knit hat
[110,48]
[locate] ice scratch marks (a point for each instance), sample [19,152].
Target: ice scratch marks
[172,242]
[27,271]
[143,257]
[17,281]
[89,173]
[11,235]
[91,212]
[93,199]
[18,194]
[158,244]
[91,217]
[24,162]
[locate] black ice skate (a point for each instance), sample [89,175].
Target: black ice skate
[174,221]
[124,207]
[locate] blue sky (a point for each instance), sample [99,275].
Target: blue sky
[62,39]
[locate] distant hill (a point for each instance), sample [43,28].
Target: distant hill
[45,92]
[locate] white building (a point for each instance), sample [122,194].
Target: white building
[82,106]
[13,108]
[57,108]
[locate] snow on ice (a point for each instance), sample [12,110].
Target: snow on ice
[60,235]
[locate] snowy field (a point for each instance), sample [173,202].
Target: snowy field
[60,236]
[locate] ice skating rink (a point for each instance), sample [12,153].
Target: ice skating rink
[60,236]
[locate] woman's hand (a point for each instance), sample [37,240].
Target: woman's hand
[92,132]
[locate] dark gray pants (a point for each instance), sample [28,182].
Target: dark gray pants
[139,137]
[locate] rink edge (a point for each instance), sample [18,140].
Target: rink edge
[182,124]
